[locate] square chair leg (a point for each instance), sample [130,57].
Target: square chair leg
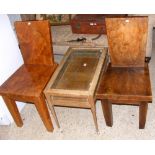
[12,107]
[142,114]
[43,112]
[107,112]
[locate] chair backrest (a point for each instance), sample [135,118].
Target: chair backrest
[127,38]
[35,42]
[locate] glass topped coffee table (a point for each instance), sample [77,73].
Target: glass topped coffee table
[74,82]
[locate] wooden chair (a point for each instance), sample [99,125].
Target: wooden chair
[127,79]
[28,82]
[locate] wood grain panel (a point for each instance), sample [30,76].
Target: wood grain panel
[28,81]
[127,39]
[35,42]
[125,84]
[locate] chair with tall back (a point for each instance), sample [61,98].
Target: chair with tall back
[127,79]
[28,82]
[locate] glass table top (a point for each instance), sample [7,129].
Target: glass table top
[78,70]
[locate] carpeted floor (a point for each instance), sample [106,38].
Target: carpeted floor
[78,123]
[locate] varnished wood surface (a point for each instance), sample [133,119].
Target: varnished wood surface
[35,41]
[127,38]
[125,84]
[142,114]
[127,79]
[11,105]
[28,82]
[42,109]
[90,23]
[107,112]
[26,85]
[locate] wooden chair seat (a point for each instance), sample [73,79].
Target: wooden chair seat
[28,80]
[125,84]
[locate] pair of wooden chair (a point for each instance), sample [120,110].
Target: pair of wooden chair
[125,81]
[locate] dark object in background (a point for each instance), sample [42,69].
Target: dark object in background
[55,19]
[28,17]
[90,23]
[147,59]
[82,39]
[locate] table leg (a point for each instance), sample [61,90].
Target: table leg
[54,115]
[12,107]
[93,110]
[107,112]
[51,106]
[43,112]
[142,114]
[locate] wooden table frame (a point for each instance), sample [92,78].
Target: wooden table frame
[75,98]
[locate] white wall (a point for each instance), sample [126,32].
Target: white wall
[10,60]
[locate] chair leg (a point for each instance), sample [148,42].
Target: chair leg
[43,112]
[142,114]
[107,112]
[93,110]
[12,107]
